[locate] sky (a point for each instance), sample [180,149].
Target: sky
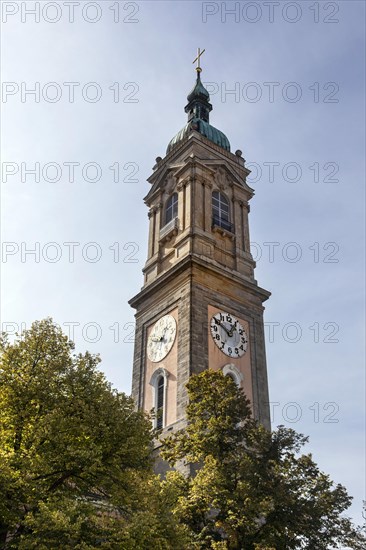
[92,92]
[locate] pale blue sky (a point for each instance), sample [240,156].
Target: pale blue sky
[156,54]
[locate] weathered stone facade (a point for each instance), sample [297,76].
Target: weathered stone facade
[195,268]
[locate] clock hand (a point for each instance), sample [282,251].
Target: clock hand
[232,330]
[223,326]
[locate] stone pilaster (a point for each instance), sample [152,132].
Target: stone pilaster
[151,215]
[157,225]
[245,212]
[208,207]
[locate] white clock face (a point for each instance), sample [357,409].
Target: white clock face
[228,334]
[161,338]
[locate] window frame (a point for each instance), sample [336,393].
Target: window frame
[157,375]
[172,205]
[234,373]
[220,210]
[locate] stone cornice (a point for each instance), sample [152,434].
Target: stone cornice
[226,156]
[186,265]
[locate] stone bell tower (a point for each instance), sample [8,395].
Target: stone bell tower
[200,306]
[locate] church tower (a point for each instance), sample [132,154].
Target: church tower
[200,306]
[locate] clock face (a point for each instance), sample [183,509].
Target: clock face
[228,334]
[161,338]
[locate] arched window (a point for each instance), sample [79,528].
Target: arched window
[221,211]
[160,402]
[171,208]
[234,373]
[158,382]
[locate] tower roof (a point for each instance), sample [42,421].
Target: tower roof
[198,109]
[204,128]
[198,91]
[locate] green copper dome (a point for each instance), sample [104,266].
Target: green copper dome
[198,109]
[204,128]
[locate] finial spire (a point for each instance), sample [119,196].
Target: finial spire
[198,110]
[198,59]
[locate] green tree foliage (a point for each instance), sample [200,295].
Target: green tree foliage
[75,456]
[253,490]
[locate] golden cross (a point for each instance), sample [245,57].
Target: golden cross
[199,53]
